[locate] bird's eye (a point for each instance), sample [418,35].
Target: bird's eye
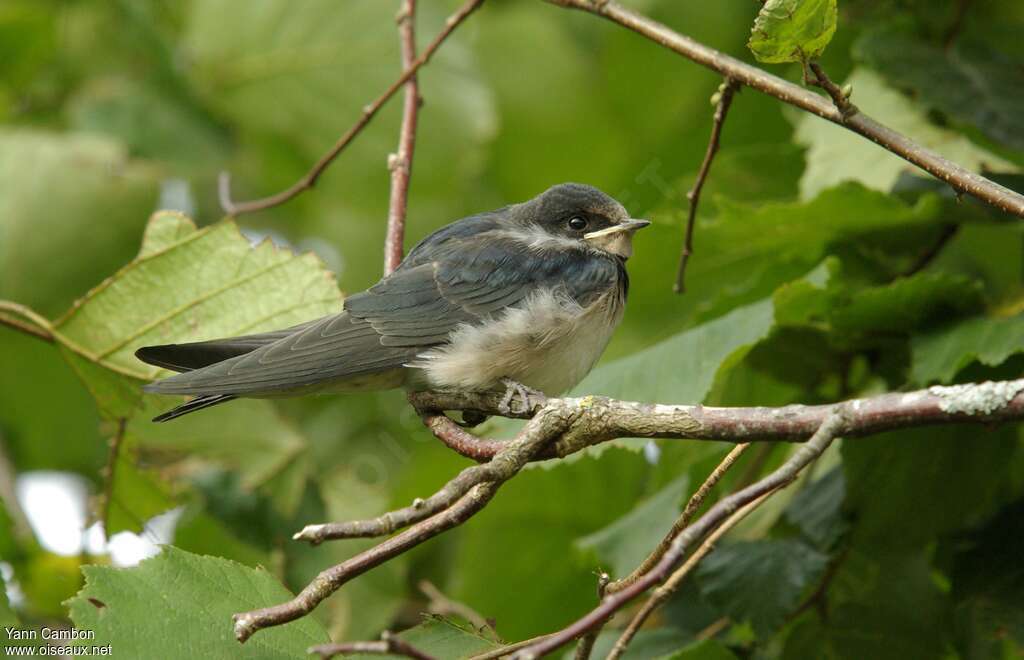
[576,223]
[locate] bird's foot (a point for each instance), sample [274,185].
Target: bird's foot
[527,395]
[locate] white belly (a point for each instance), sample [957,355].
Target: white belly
[549,344]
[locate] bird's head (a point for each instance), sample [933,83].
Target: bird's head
[574,213]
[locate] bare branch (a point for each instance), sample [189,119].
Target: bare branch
[959,177]
[662,593]
[724,95]
[833,424]
[600,419]
[549,423]
[310,178]
[689,511]
[388,645]
[38,328]
[400,163]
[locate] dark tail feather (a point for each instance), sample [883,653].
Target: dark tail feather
[195,404]
[187,357]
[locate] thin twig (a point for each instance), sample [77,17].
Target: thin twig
[662,593]
[400,162]
[839,97]
[388,645]
[38,328]
[441,604]
[538,432]
[508,649]
[310,178]
[689,511]
[716,515]
[750,76]
[725,93]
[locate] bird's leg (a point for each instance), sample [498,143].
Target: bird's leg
[513,387]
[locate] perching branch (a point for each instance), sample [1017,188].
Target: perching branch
[832,426]
[310,178]
[724,95]
[539,431]
[400,162]
[959,178]
[600,419]
[388,645]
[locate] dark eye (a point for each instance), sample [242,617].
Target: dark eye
[576,223]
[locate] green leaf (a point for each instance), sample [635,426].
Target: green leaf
[988,585]
[136,496]
[188,285]
[440,638]
[627,541]
[817,510]
[556,506]
[748,250]
[936,466]
[939,355]
[835,154]
[968,80]
[792,30]
[760,581]
[249,436]
[179,605]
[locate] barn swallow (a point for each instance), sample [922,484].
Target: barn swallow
[525,297]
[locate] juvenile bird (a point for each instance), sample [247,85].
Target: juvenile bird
[523,298]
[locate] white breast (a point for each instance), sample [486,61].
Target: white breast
[550,343]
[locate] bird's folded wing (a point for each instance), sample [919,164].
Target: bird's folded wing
[413,309]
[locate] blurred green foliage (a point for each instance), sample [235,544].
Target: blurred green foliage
[825,268]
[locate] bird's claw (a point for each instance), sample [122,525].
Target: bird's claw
[527,395]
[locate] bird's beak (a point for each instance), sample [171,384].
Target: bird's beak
[628,226]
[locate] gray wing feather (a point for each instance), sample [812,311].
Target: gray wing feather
[415,308]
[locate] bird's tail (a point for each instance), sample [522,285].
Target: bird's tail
[195,404]
[196,355]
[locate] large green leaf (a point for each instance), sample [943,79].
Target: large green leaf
[188,285]
[935,466]
[968,80]
[622,545]
[792,30]
[835,154]
[940,354]
[535,518]
[760,581]
[747,250]
[179,605]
